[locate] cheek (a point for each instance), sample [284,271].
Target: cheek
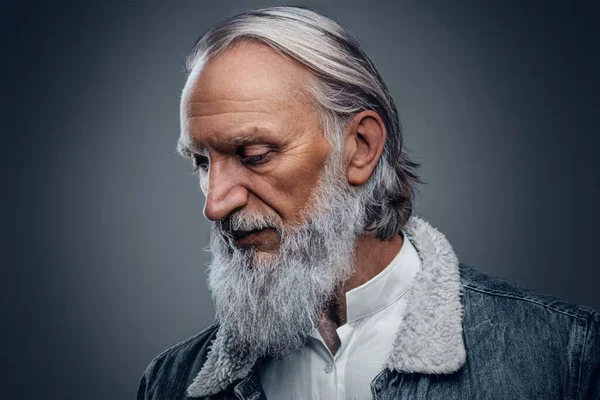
[297,183]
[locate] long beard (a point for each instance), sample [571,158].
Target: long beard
[268,305]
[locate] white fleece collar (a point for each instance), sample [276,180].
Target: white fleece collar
[429,340]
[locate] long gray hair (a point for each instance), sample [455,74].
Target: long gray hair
[346,83]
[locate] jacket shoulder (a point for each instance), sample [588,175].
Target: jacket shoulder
[519,335]
[171,372]
[474,280]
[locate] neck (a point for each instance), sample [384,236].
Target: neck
[372,255]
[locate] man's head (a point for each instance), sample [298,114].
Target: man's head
[299,151]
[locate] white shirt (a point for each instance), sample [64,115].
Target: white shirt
[374,313]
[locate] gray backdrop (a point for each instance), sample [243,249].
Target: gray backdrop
[107,258]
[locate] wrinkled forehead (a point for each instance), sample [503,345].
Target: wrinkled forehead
[246,71]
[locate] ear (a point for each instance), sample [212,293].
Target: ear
[365,137]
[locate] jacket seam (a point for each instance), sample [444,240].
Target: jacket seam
[582,361]
[527,299]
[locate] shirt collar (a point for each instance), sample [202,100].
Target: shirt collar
[385,288]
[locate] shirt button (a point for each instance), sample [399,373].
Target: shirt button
[328,368]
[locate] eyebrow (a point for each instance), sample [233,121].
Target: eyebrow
[187,148]
[243,139]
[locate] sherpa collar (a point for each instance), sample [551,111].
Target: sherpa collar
[429,340]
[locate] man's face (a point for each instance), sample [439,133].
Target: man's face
[259,141]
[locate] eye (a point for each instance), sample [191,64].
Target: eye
[254,155]
[200,162]
[254,160]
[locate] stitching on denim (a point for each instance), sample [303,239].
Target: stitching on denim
[582,361]
[376,380]
[528,299]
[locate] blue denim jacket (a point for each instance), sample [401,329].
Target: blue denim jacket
[465,335]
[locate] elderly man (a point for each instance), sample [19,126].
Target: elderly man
[324,285]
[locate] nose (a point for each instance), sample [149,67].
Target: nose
[225,192]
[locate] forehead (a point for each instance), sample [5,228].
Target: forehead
[248,87]
[246,71]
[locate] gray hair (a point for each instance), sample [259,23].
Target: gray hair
[346,83]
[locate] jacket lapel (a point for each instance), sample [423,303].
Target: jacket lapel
[430,337]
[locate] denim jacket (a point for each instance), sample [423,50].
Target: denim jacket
[465,335]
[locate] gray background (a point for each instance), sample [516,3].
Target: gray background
[106,260]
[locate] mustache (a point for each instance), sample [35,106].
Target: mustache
[245,221]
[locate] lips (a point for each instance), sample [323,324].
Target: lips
[250,238]
[239,235]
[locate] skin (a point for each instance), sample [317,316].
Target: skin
[258,141]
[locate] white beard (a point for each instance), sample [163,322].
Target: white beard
[269,303]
